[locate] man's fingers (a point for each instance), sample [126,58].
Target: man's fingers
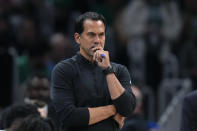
[94,49]
[97,55]
[119,119]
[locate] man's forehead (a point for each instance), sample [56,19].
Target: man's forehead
[94,26]
[91,22]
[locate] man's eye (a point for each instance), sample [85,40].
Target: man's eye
[91,34]
[101,35]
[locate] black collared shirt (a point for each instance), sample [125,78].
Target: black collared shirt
[78,84]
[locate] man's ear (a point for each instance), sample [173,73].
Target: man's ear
[77,38]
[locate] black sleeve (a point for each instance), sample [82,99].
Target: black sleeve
[125,104]
[63,98]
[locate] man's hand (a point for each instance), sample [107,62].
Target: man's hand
[98,114]
[119,119]
[102,62]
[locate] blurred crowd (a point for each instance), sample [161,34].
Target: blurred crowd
[155,39]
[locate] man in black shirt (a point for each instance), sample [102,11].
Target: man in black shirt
[89,92]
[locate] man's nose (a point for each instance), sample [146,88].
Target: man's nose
[97,39]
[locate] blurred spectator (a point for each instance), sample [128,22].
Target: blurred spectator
[60,49]
[35,61]
[12,116]
[41,12]
[27,36]
[31,21]
[38,88]
[156,24]
[63,11]
[37,92]
[154,12]
[36,123]
[186,47]
[109,8]
[136,122]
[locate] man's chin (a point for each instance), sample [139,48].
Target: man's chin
[90,54]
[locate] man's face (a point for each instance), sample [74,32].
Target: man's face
[92,36]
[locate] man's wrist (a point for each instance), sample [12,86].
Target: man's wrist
[108,70]
[112,109]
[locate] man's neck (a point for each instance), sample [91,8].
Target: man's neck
[89,58]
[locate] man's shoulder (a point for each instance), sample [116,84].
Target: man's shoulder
[68,61]
[67,64]
[118,66]
[119,69]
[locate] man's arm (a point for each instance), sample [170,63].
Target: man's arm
[120,92]
[119,86]
[119,119]
[98,114]
[114,86]
[63,99]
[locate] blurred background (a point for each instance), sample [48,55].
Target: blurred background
[155,39]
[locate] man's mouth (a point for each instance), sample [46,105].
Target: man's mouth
[94,50]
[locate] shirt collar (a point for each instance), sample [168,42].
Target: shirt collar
[84,60]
